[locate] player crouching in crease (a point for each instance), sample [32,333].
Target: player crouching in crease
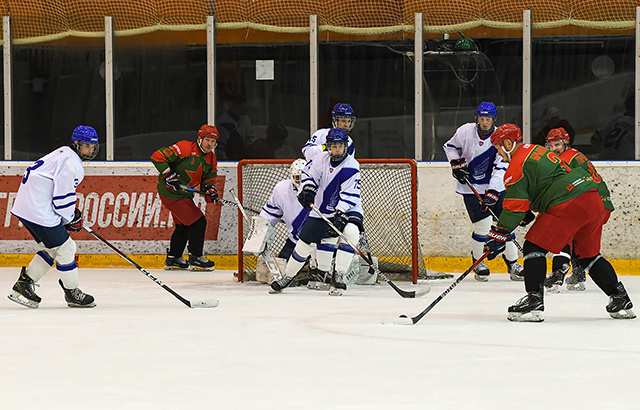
[189,163]
[45,204]
[569,205]
[330,181]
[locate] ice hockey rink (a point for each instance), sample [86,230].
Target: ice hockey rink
[141,348]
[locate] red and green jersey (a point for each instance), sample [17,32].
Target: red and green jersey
[192,166]
[574,159]
[536,180]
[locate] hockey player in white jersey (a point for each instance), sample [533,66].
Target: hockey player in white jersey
[342,116]
[331,181]
[46,206]
[473,159]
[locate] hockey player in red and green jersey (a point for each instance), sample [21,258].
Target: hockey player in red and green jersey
[557,141]
[189,163]
[570,210]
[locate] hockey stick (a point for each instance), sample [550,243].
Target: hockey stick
[404,320]
[266,253]
[495,217]
[210,303]
[221,199]
[403,293]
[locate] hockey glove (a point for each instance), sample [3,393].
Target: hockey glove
[490,200]
[76,223]
[340,220]
[528,218]
[459,170]
[307,196]
[171,180]
[212,193]
[496,241]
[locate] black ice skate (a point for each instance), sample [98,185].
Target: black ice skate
[76,297]
[528,309]
[318,280]
[337,285]
[278,285]
[173,262]
[481,272]
[577,279]
[620,305]
[23,291]
[200,263]
[556,278]
[516,271]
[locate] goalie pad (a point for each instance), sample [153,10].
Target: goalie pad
[358,272]
[263,273]
[260,236]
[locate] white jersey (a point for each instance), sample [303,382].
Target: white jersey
[338,185]
[315,144]
[283,204]
[486,167]
[616,139]
[47,193]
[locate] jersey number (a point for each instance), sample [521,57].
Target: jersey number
[35,165]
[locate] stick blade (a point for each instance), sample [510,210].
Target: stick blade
[209,303]
[402,320]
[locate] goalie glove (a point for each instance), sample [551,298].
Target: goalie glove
[490,200]
[459,170]
[496,241]
[76,223]
[528,218]
[340,220]
[307,196]
[171,180]
[211,193]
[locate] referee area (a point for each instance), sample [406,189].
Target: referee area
[141,348]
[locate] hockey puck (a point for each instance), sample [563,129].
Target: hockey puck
[403,315]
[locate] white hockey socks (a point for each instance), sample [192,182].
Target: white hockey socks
[479,236]
[345,253]
[298,258]
[66,264]
[326,247]
[41,263]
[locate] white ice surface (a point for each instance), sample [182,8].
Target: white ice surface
[141,348]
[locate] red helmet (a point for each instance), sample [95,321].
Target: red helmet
[208,131]
[506,132]
[558,134]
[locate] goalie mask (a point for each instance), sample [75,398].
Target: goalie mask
[557,140]
[337,144]
[343,112]
[296,171]
[486,109]
[84,140]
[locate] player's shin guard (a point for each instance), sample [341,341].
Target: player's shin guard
[479,236]
[345,253]
[196,236]
[324,253]
[41,263]
[66,264]
[535,264]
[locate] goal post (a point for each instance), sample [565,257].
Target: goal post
[389,200]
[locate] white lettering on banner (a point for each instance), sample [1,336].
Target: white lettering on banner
[91,202]
[102,222]
[10,201]
[136,211]
[119,223]
[152,210]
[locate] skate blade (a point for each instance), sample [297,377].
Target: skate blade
[576,287]
[21,300]
[77,305]
[623,314]
[198,268]
[516,278]
[174,268]
[336,292]
[274,292]
[315,285]
[553,289]
[481,278]
[402,320]
[533,316]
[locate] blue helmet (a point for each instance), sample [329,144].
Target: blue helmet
[486,109]
[337,136]
[83,134]
[343,110]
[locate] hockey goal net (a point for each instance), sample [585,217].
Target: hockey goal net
[389,200]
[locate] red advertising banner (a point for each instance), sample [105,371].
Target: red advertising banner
[121,207]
